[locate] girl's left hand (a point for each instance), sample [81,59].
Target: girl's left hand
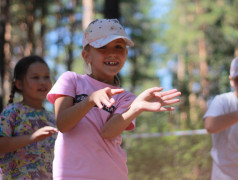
[154,100]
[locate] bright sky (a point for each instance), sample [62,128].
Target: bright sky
[164,73]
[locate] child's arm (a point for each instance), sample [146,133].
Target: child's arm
[215,124]
[151,100]
[9,144]
[68,115]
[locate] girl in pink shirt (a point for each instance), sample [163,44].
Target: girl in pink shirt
[92,110]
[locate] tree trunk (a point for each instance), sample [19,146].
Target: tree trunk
[30,24]
[87,13]
[40,50]
[4,52]
[202,52]
[111,9]
[72,31]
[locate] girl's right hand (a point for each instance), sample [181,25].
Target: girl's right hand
[69,114]
[43,133]
[104,96]
[10,143]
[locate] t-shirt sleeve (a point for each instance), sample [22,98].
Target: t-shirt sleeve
[6,118]
[216,107]
[124,105]
[65,85]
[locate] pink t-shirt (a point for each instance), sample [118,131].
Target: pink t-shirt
[82,153]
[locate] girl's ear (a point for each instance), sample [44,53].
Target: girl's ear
[231,81]
[18,84]
[86,56]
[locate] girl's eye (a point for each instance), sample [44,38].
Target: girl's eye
[47,77]
[35,77]
[119,47]
[103,47]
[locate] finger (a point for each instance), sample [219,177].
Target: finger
[172,101]
[155,89]
[107,103]
[107,90]
[44,133]
[112,101]
[99,104]
[112,92]
[54,131]
[50,128]
[169,92]
[116,91]
[161,94]
[166,109]
[151,92]
[170,96]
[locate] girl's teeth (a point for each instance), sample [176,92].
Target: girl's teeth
[111,63]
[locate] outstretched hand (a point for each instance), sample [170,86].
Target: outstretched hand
[43,133]
[104,96]
[154,100]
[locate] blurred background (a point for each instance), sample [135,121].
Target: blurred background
[183,44]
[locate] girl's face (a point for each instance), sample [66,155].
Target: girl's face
[106,61]
[35,85]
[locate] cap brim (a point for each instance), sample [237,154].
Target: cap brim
[104,41]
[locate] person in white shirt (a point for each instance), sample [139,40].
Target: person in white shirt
[221,121]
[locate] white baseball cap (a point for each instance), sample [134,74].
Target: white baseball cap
[234,68]
[101,32]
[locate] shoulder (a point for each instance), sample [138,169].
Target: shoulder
[224,96]
[66,84]
[50,116]
[12,109]
[8,118]
[220,100]
[49,113]
[68,75]
[70,78]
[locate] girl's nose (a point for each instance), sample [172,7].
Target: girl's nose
[111,51]
[43,80]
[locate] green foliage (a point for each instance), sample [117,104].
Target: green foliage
[185,27]
[166,158]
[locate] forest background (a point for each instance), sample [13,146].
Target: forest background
[189,47]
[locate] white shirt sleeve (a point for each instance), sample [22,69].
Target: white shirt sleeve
[216,108]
